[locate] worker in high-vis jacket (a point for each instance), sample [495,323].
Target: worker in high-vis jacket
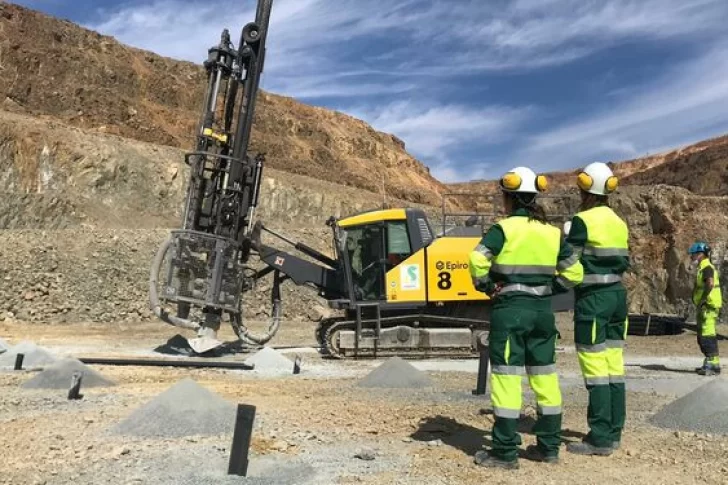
[708,301]
[521,262]
[601,238]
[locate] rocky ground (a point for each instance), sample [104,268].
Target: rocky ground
[319,427]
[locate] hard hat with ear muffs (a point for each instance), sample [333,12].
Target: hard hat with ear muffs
[597,178]
[523,180]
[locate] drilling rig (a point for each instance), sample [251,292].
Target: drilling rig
[400,288]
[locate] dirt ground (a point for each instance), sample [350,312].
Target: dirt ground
[311,426]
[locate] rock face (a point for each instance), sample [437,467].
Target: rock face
[54,68]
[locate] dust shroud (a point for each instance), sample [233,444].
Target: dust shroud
[704,410]
[396,373]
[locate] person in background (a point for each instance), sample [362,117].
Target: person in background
[708,300]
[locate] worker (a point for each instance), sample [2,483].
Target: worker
[708,301]
[520,262]
[601,238]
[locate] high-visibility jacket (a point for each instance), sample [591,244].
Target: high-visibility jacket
[601,237]
[715,298]
[525,256]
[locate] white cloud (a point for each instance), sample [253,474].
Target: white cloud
[683,105]
[394,62]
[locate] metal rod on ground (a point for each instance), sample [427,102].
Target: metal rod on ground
[297,365]
[244,419]
[19,361]
[167,363]
[73,392]
[482,372]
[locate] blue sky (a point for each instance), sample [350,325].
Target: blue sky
[472,87]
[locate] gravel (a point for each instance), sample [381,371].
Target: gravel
[34,356]
[703,410]
[185,409]
[269,360]
[60,374]
[396,373]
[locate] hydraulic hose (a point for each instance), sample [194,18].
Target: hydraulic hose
[245,334]
[154,304]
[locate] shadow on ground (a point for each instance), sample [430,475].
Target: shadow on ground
[469,439]
[660,367]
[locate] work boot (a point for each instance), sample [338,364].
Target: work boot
[533,452]
[483,458]
[585,448]
[709,371]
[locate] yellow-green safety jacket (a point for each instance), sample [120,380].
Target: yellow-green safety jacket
[715,298]
[528,257]
[601,238]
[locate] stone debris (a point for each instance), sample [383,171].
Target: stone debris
[396,373]
[34,356]
[60,376]
[268,360]
[185,409]
[704,410]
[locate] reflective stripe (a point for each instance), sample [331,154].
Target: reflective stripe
[617,379]
[549,410]
[604,252]
[506,413]
[568,262]
[532,290]
[601,278]
[509,370]
[596,381]
[565,282]
[591,349]
[512,269]
[615,344]
[541,370]
[484,251]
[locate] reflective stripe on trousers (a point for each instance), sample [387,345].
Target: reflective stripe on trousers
[507,391]
[602,364]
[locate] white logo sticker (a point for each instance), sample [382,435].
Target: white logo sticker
[409,277]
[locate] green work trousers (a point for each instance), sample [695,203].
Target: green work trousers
[600,331]
[707,338]
[523,342]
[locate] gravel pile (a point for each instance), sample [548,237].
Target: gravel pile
[396,373]
[268,360]
[34,356]
[703,410]
[185,409]
[60,376]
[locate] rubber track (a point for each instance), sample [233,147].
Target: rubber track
[328,328]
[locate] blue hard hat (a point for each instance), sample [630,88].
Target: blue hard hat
[699,247]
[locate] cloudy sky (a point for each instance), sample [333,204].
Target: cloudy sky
[472,87]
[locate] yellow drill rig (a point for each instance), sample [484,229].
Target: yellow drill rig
[399,287]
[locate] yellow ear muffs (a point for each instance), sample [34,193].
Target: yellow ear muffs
[541,183]
[611,184]
[510,181]
[584,181]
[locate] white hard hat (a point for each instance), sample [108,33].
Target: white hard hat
[523,180]
[597,178]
